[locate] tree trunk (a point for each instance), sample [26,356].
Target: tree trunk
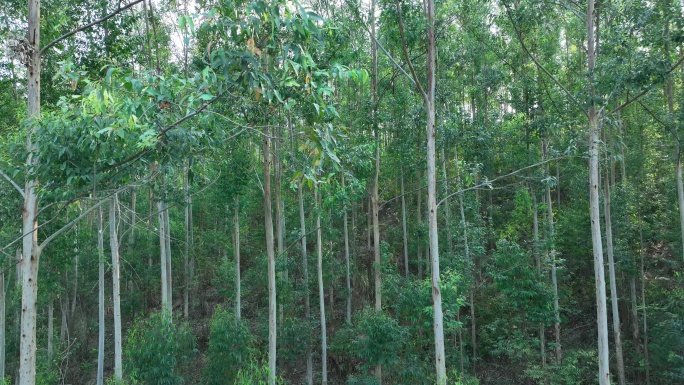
[76,260]
[270,252]
[134,201]
[305,273]
[3,324]
[346,260]
[447,209]
[280,209]
[613,285]
[643,302]
[595,216]
[116,298]
[419,218]
[552,253]
[31,251]
[537,258]
[165,301]
[236,250]
[403,223]
[169,272]
[186,244]
[101,298]
[321,293]
[680,194]
[471,293]
[51,327]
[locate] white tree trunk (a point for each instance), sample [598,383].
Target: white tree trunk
[31,251]
[321,292]
[165,302]
[116,298]
[305,273]
[617,334]
[594,211]
[169,275]
[101,298]
[537,257]
[270,252]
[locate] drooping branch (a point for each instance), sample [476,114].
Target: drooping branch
[16,186]
[83,28]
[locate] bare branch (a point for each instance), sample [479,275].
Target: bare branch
[83,28]
[16,186]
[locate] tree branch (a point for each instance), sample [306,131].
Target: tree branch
[83,28]
[16,186]
[416,82]
[518,36]
[649,88]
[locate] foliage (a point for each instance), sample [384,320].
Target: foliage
[230,342]
[156,348]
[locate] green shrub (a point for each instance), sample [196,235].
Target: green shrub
[154,349]
[230,342]
[255,374]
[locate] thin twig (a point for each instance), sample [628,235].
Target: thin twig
[16,186]
[83,28]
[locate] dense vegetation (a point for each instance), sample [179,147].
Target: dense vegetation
[359,192]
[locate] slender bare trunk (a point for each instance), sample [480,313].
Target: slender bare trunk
[419,218]
[447,209]
[3,324]
[305,273]
[270,252]
[51,326]
[612,280]
[537,258]
[440,364]
[595,216]
[554,276]
[236,247]
[643,302]
[165,301]
[321,293]
[280,210]
[31,251]
[186,244]
[101,298]
[471,293]
[346,261]
[116,298]
[403,224]
[167,241]
[134,217]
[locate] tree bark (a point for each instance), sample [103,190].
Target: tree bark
[612,280]
[169,272]
[186,244]
[31,251]
[280,210]
[552,253]
[346,260]
[403,223]
[643,302]
[116,298]
[305,273]
[537,258]
[595,216]
[270,252]
[236,250]
[321,288]
[51,326]
[165,301]
[101,298]
[3,324]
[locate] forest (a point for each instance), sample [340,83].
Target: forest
[341,192]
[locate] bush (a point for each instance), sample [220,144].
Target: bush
[154,349]
[255,374]
[230,342]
